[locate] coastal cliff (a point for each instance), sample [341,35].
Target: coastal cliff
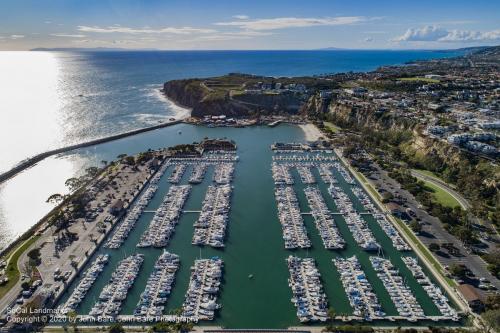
[243,95]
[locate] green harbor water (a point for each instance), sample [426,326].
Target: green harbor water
[254,238]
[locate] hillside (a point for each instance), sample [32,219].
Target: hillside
[243,95]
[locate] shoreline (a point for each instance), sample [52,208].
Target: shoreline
[311,132]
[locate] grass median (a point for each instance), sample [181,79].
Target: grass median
[12,271]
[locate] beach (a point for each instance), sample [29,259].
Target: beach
[311,132]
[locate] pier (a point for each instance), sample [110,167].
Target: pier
[325,224]
[162,226]
[201,298]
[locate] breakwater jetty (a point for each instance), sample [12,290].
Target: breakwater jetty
[39,157]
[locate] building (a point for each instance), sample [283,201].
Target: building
[471,296]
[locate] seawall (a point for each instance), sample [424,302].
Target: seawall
[37,158]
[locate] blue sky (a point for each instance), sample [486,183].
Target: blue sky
[270,24]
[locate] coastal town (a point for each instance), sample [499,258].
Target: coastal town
[352,229]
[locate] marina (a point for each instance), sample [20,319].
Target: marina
[115,292]
[398,241]
[158,286]
[361,296]
[325,224]
[305,173]
[281,174]
[400,293]
[294,231]
[253,253]
[434,292]
[308,296]
[223,173]
[357,225]
[177,173]
[162,226]
[85,283]
[201,297]
[210,229]
[325,171]
[198,173]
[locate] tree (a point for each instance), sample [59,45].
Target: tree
[416,227]
[491,321]
[457,270]
[116,328]
[434,247]
[25,285]
[34,254]
[464,234]
[130,160]
[73,183]
[161,327]
[492,302]
[92,171]
[54,199]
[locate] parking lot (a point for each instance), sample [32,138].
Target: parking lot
[433,232]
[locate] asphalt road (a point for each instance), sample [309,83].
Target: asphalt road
[433,231]
[461,200]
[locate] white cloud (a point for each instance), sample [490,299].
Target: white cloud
[437,34]
[470,36]
[291,22]
[241,17]
[68,35]
[368,39]
[427,33]
[146,30]
[16,36]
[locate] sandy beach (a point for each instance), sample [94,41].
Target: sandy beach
[312,133]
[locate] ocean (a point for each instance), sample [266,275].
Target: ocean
[52,99]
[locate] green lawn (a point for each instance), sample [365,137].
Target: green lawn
[332,127]
[428,173]
[442,197]
[11,270]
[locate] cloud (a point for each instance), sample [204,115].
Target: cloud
[368,39]
[68,35]
[241,17]
[16,36]
[146,30]
[471,36]
[427,33]
[291,22]
[437,34]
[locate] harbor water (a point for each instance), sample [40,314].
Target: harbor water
[255,292]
